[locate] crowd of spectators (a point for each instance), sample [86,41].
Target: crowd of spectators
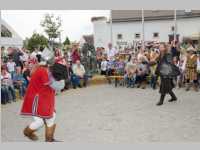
[136,68]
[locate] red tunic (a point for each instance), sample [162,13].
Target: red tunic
[39,99]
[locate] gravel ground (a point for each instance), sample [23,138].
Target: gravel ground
[105,114]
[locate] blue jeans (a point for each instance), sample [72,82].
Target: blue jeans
[130,80]
[4,95]
[76,80]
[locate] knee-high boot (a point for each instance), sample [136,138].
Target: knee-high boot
[49,133]
[162,97]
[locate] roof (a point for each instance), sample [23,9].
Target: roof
[136,15]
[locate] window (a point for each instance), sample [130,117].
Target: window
[137,35]
[119,36]
[156,34]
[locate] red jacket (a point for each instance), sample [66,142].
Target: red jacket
[39,99]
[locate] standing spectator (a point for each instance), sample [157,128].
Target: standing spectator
[79,73]
[16,54]
[11,66]
[99,55]
[191,69]
[7,89]
[59,58]
[111,52]
[19,81]
[25,55]
[26,73]
[175,50]
[75,54]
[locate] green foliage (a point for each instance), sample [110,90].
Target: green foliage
[36,41]
[51,25]
[67,41]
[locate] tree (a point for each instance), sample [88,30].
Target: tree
[67,41]
[51,25]
[36,41]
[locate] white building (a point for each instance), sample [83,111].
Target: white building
[9,38]
[159,26]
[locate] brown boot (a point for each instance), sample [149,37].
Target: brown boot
[49,133]
[30,134]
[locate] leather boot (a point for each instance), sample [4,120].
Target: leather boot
[173,97]
[30,134]
[161,100]
[49,133]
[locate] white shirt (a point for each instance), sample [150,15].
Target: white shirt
[78,70]
[104,65]
[111,53]
[11,66]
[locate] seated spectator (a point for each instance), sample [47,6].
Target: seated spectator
[131,70]
[11,66]
[104,66]
[142,72]
[78,73]
[7,89]
[19,81]
[119,66]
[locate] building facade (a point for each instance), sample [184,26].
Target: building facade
[159,25]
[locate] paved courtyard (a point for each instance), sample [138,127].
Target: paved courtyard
[105,114]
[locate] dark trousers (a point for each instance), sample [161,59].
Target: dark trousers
[140,78]
[171,93]
[153,81]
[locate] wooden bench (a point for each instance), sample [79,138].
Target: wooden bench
[117,78]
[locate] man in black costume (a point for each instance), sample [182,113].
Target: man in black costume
[167,72]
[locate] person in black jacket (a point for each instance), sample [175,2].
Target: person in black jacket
[167,72]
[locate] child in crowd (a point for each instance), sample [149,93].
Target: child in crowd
[7,89]
[119,66]
[104,66]
[11,66]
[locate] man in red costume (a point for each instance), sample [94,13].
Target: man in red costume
[39,100]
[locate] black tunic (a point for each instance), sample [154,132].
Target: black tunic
[167,72]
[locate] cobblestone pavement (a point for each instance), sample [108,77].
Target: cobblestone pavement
[105,114]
